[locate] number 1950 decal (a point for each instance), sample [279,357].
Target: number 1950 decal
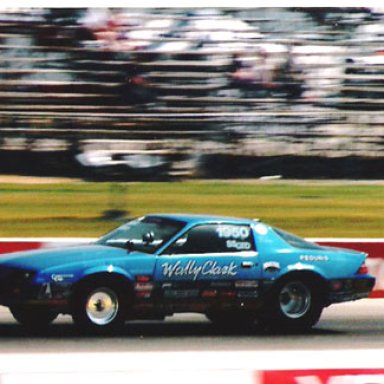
[233,232]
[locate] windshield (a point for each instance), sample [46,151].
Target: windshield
[296,241]
[146,234]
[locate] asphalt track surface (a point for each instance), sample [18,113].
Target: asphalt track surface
[357,325]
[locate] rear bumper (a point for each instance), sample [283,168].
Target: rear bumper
[350,289]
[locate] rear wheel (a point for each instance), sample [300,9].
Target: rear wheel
[33,317]
[99,307]
[295,304]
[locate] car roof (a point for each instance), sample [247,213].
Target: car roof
[195,218]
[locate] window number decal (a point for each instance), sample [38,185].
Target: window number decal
[239,245]
[233,232]
[235,236]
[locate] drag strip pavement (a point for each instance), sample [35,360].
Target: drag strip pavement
[346,347]
[356,325]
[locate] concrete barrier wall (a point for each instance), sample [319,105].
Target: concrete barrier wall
[373,247]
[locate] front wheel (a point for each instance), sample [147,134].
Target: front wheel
[99,307]
[295,304]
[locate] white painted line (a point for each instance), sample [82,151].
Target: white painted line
[170,377]
[188,361]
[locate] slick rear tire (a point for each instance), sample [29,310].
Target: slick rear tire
[99,307]
[294,305]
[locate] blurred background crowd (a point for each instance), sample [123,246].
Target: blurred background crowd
[168,93]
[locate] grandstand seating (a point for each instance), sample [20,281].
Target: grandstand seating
[60,85]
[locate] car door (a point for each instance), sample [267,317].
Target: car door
[209,261]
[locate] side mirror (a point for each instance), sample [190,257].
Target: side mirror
[148,238]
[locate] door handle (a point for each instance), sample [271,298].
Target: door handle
[247,264]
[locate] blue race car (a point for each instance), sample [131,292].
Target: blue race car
[235,271]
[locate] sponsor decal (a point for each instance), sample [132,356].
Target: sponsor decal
[181,293]
[248,294]
[193,270]
[238,245]
[246,284]
[209,293]
[61,277]
[221,284]
[325,376]
[314,258]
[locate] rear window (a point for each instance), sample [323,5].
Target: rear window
[295,241]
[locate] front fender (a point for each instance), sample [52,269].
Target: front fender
[107,269]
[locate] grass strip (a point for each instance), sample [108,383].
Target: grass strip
[311,209]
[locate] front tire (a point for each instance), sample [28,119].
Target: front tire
[33,317]
[99,308]
[295,304]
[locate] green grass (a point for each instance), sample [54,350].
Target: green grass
[307,208]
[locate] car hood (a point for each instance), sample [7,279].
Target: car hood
[47,258]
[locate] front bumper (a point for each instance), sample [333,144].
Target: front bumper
[21,291]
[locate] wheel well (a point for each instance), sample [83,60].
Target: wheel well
[314,279]
[113,279]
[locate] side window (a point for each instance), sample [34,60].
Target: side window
[214,238]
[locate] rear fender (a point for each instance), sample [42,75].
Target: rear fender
[311,276]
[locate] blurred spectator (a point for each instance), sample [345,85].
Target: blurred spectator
[253,75]
[103,26]
[241,71]
[136,89]
[289,77]
[261,75]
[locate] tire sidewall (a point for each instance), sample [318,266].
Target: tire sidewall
[275,318]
